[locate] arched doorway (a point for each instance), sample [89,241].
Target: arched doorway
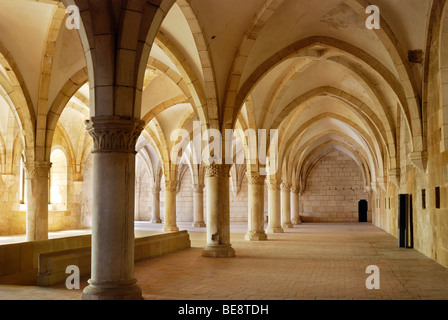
[363,207]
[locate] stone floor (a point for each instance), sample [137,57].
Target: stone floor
[309,262]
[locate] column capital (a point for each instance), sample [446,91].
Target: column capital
[295,189]
[274,185]
[286,187]
[255,178]
[156,190]
[171,185]
[114,134]
[198,188]
[39,169]
[218,170]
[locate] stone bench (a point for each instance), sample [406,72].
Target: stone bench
[19,261]
[52,265]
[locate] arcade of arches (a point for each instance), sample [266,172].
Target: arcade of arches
[87,118]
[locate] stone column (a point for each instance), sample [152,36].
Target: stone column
[112,276]
[156,205]
[286,206]
[295,209]
[170,206]
[37,177]
[255,230]
[218,212]
[274,207]
[198,204]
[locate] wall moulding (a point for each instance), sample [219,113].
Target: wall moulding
[419,160]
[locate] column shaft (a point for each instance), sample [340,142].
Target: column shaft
[198,206]
[170,206]
[286,206]
[218,212]
[255,230]
[156,205]
[112,276]
[37,176]
[274,212]
[295,202]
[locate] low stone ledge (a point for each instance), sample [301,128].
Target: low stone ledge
[52,265]
[19,261]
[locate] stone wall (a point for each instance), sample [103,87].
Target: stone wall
[333,190]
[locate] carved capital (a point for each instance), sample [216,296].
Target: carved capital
[295,189]
[212,170]
[255,178]
[198,188]
[156,190]
[274,185]
[286,187]
[171,185]
[218,170]
[37,170]
[114,134]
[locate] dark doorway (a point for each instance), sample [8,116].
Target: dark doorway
[405,221]
[363,207]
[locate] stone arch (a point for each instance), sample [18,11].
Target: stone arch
[443,61]
[60,102]
[45,75]
[176,56]
[384,130]
[247,43]
[152,114]
[117,51]
[373,138]
[178,80]
[305,166]
[205,56]
[16,94]
[376,166]
[302,47]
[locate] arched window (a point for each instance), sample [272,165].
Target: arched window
[58,180]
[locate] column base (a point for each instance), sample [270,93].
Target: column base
[156,221]
[275,230]
[296,222]
[288,226]
[218,251]
[256,236]
[112,291]
[170,229]
[199,225]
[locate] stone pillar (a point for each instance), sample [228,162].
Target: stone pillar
[37,177]
[112,276]
[170,206]
[198,204]
[255,230]
[218,212]
[286,206]
[274,207]
[295,209]
[156,205]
